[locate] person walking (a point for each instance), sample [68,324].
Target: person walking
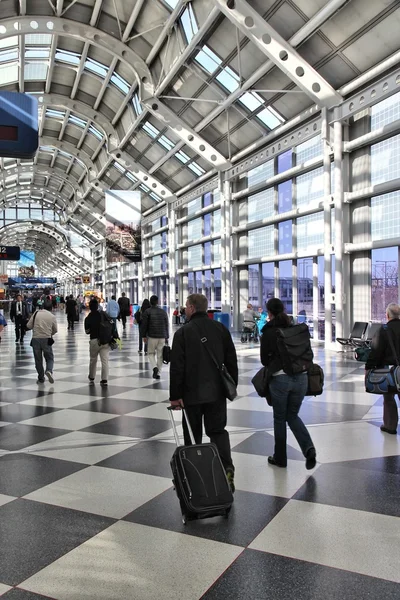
[195,381]
[154,328]
[124,308]
[96,348]
[381,354]
[287,391]
[70,309]
[138,318]
[19,316]
[3,323]
[44,325]
[113,311]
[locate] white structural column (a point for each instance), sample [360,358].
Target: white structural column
[327,228]
[119,280]
[226,232]
[171,261]
[339,217]
[141,290]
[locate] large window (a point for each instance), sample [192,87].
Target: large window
[217,251]
[310,232]
[216,222]
[385,160]
[254,284]
[260,206]
[194,205]
[385,112]
[268,282]
[385,216]
[309,150]
[217,289]
[195,259]
[285,237]
[305,292]
[261,173]
[385,281]
[286,284]
[261,242]
[195,229]
[310,187]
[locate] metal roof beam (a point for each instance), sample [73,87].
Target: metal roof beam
[282,54]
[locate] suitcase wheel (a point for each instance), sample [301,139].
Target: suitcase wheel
[184,519]
[228,510]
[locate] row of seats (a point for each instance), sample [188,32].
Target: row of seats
[361,335]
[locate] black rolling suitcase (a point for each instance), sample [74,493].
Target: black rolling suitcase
[199,479]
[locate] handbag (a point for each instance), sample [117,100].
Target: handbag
[166,354]
[260,382]
[315,386]
[362,354]
[230,387]
[386,379]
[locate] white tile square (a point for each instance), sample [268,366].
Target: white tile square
[244,390]
[82,447]
[132,382]
[69,419]
[5,499]
[359,399]
[4,423]
[57,386]
[250,403]
[4,403]
[108,492]
[254,474]
[147,395]
[156,411]
[349,441]
[4,589]
[62,400]
[358,541]
[128,561]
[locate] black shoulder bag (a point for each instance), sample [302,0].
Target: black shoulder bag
[228,383]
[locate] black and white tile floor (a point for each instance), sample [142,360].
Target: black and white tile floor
[87,509]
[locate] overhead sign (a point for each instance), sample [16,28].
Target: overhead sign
[19,131]
[33,280]
[10,252]
[86,279]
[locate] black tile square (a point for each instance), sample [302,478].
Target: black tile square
[262,444]
[249,515]
[386,464]
[21,474]
[371,491]
[98,390]
[263,576]
[113,406]
[158,384]
[20,594]
[151,458]
[19,395]
[34,534]
[250,418]
[16,436]
[139,427]
[13,413]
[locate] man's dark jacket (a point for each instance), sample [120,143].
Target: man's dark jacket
[124,305]
[154,323]
[70,306]
[381,353]
[194,377]
[13,310]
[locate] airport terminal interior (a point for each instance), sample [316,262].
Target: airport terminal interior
[240,149]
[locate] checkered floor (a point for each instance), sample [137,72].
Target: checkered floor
[87,510]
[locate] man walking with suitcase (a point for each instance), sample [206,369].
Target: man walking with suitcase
[195,381]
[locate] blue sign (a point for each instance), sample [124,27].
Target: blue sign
[32,280]
[19,125]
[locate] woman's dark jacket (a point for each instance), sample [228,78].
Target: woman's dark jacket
[269,348]
[381,353]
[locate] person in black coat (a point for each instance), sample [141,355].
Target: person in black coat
[70,309]
[381,354]
[19,315]
[287,391]
[195,382]
[124,308]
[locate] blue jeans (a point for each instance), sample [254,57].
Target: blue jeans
[287,393]
[41,348]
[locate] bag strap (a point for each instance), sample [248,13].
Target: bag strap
[204,341]
[393,349]
[34,317]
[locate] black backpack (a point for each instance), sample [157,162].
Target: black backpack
[106,329]
[294,348]
[315,380]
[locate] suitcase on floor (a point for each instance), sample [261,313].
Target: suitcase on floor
[199,479]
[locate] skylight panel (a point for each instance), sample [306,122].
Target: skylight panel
[37,53]
[229,79]
[208,59]
[118,167]
[77,121]
[184,158]
[38,39]
[136,104]
[166,142]
[8,56]
[10,42]
[9,74]
[151,130]
[144,188]
[154,196]
[193,166]
[189,23]
[95,132]
[171,3]
[251,101]
[130,177]
[36,71]
[55,114]
[270,117]
[71,58]
[120,83]
[96,67]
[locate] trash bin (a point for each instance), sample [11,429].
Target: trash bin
[223,318]
[211,312]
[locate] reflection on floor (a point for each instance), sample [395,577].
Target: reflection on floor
[87,510]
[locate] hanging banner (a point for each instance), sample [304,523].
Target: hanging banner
[123,226]
[85,278]
[4,278]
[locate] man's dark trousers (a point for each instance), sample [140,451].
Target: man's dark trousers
[19,327]
[214,414]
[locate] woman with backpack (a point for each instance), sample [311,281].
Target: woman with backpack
[138,318]
[286,391]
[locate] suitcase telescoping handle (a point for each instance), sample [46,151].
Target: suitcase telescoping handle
[171,410]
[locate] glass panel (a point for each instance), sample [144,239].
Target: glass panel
[190,283]
[217,251]
[261,173]
[207,253]
[207,286]
[305,293]
[195,229]
[217,288]
[385,160]
[199,282]
[310,187]
[285,237]
[164,221]
[193,206]
[286,284]
[310,232]
[268,282]
[195,256]
[285,196]
[309,150]
[207,199]
[385,112]
[261,242]
[385,283]
[260,206]
[207,224]
[163,263]
[385,216]
[285,161]
[164,239]
[254,284]
[216,226]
